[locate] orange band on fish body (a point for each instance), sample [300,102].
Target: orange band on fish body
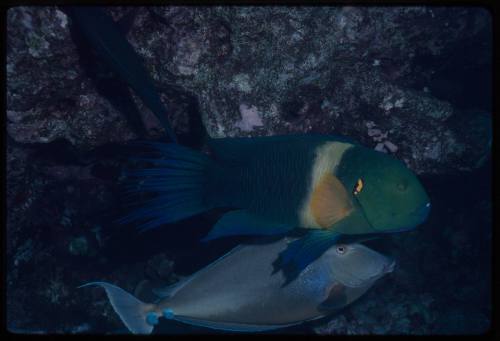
[330,201]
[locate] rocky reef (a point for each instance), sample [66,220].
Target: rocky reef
[411,81]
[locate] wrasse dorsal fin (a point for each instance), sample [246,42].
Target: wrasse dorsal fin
[240,149]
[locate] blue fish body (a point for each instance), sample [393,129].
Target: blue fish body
[267,177]
[326,185]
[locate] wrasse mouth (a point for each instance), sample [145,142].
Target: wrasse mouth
[419,216]
[422,212]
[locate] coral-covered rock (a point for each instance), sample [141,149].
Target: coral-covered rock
[48,94]
[326,70]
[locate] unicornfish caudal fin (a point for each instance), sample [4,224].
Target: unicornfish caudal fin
[176,178]
[139,317]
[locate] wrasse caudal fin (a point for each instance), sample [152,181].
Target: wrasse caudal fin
[138,316]
[177,177]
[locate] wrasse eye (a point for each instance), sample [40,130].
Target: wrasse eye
[359,187]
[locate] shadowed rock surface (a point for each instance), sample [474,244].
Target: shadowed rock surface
[412,81]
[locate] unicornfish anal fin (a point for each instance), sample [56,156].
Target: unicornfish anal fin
[301,252]
[243,222]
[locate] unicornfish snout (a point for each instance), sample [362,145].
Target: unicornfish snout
[389,267]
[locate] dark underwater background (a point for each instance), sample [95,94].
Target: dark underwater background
[418,78]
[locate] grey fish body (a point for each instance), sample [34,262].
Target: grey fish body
[239,291]
[243,290]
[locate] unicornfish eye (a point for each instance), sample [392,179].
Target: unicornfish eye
[358,187]
[341,249]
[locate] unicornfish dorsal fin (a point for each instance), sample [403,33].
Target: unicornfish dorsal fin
[329,201]
[170,290]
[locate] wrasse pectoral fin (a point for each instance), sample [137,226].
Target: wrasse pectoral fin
[301,252]
[243,222]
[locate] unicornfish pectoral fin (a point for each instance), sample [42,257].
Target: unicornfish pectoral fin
[137,316]
[243,222]
[301,252]
[336,299]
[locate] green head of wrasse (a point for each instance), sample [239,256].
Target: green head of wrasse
[389,194]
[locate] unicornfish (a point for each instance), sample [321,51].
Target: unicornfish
[325,186]
[240,291]
[106,38]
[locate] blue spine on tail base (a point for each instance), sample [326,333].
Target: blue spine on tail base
[177,177]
